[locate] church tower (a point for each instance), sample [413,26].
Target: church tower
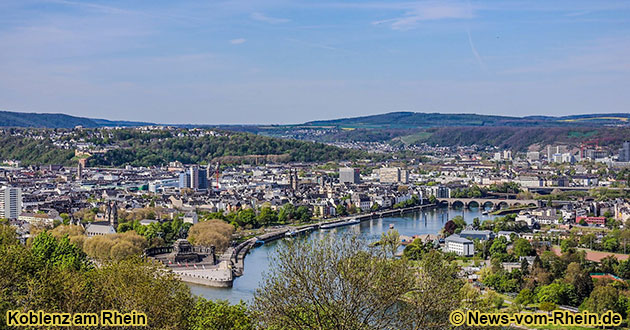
[295,181]
[114,215]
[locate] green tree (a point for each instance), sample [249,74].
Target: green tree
[609,264]
[526,297]
[375,207]
[372,286]
[623,269]
[603,298]
[48,276]
[610,243]
[580,279]
[499,246]
[436,292]
[52,252]
[559,293]
[208,314]
[587,240]
[455,225]
[143,286]
[390,241]
[287,212]
[416,249]
[523,248]
[304,213]
[267,216]
[65,218]
[247,218]
[341,210]
[567,244]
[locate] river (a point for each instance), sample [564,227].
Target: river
[257,261]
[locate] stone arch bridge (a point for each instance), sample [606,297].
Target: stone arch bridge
[491,202]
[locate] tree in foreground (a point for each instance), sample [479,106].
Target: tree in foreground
[343,284]
[220,315]
[435,293]
[331,284]
[54,275]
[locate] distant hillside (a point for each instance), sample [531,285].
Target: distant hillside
[136,147]
[413,119]
[406,120]
[519,138]
[56,120]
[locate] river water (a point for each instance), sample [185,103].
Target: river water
[257,261]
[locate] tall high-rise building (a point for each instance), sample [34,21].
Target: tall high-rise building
[349,175]
[389,174]
[195,178]
[10,202]
[184,180]
[193,171]
[203,179]
[624,152]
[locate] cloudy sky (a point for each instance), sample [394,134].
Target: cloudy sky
[275,61]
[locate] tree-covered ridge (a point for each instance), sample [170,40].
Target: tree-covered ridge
[520,138]
[33,151]
[414,119]
[509,136]
[142,151]
[55,120]
[421,119]
[139,147]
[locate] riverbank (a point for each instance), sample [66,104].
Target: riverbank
[272,236]
[427,221]
[233,259]
[244,247]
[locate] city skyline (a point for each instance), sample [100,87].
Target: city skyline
[278,62]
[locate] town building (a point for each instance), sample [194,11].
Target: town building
[349,175]
[624,152]
[10,202]
[600,221]
[393,175]
[460,246]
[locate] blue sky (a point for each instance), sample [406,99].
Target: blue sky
[226,62]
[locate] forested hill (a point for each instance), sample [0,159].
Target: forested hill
[56,120]
[406,120]
[118,147]
[520,138]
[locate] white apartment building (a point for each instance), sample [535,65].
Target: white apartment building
[10,202]
[460,246]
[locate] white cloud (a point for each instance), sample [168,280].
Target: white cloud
[427,12]
[238,41]
[268,19]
